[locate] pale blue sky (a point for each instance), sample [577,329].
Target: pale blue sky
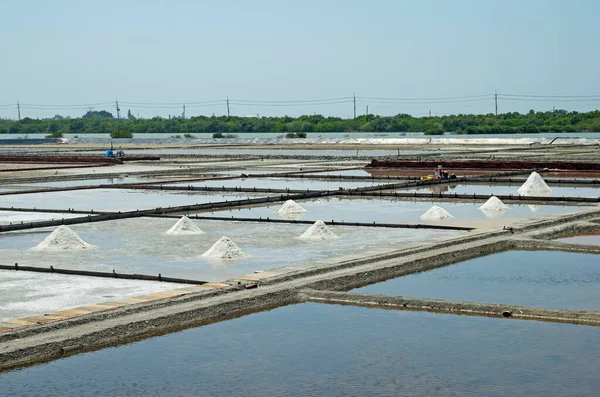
[79,52]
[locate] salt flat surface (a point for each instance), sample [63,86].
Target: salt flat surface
[7,217]
[142,246]
[24,294]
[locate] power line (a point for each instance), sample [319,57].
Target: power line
[550,96]
[425,98]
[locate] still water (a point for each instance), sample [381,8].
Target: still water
[553,280]
[324,350]
[506,189]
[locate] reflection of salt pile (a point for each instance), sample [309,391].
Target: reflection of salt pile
[436,213]
[224,249]
[184,226]
[533,207]
[494,204]
[291,207]
[62,238]
[318,231]
[534,186]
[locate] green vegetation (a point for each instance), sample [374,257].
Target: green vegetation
[295,135]
[121,134]
[103,122]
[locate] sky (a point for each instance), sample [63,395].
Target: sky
[69,56]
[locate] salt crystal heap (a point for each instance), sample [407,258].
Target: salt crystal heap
[318,231]
[436,213]
[534,186]
[184,226]
[61,239]
[494,204]
[290,210]
[225,249]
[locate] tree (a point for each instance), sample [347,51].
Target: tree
[97,115]
[129,115]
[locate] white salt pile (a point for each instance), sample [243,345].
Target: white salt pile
[224,249]
[291,207]
[494,204]
[534,186]
[184,226]
[436,213]
[62,238]
[318,231]
[291,216]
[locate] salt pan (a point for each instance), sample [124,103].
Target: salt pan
[436,213]
[224,248]
[62,238]
[534,186]
[318,231]
[184,226]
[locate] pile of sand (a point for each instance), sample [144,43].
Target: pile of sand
[436,213]
[184,226]
[62,238]
[225,249]
[494,204]
[534,186]
[318,231]
[291,207]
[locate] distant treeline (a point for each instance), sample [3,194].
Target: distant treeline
[103,122]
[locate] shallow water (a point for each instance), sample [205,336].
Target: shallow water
[231,151]
[394,211]
[282,183]
[505,189]
[81,182]
[324,350]
[555,280]
[586,239]
[115,200]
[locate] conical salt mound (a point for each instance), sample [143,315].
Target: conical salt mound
[534,186]
[436,213]
[62,238]
[494,204]
[224,249]
[291,216]
[184,226]
[291,207]
[318,231]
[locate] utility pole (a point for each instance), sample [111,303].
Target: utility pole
[19,110]
[183,114]
[227,106]
[429,112]
[496,100]
[118,119]
[367,113]
[354,100]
